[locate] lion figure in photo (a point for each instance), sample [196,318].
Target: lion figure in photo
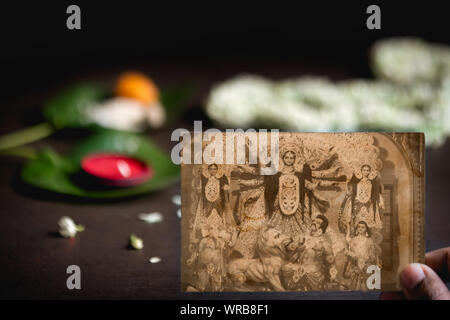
[265,268]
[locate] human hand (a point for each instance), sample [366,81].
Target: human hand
[425,281]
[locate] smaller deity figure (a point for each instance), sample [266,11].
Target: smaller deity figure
[210,257]
[361,253]
[214,187]
[364,190]
[309,267]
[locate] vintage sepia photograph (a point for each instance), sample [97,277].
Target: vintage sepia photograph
[344,211]
[224,159]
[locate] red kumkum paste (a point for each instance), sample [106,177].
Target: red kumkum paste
[116,169]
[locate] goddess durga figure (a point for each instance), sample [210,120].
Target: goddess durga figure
[291,197]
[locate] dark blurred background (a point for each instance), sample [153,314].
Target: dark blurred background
[37,50]
[196,42]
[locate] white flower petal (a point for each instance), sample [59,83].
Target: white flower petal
[154,260]
[67,227]
[153,217]
[176,200]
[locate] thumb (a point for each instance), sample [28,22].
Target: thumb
[419,281]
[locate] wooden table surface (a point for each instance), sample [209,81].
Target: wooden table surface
[33,258]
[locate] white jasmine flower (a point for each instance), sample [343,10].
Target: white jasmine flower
[317,104]
[290,115]
[68,228]
[382,116]
[404,60]
[438,113]
[363,92]
[136,243]
[237,101]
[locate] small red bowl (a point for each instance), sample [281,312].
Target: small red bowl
[116,170]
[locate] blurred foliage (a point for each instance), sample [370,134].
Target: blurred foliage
[69,108]
[55,172]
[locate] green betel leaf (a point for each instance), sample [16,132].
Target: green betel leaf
[68,109]
[174,98]
[58,173]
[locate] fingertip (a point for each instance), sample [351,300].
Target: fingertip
[411,276]
[419,281]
